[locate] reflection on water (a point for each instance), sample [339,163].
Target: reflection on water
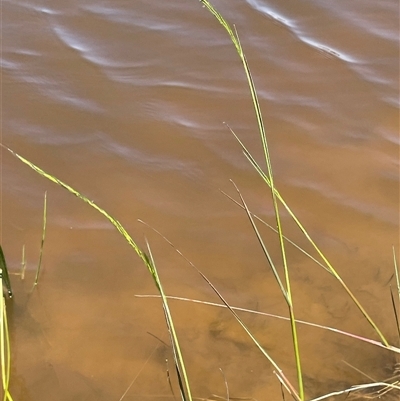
[127,103]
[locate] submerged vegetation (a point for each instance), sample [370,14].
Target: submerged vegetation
[296,390]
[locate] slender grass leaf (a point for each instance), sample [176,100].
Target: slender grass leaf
[5,351]
[261,242]
[396,272]
[179,362]
[43,238]
[303,322]
[4,273]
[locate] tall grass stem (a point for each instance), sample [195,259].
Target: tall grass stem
[5,277]
[43,238]
[287,292]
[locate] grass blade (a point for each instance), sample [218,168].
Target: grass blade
[395,307]
[179,362]
[396,272]
[23,263]
[303,322]
[359,387]
[91,203]
[396,316]
[43,238]
[4,273]
[5,352]
[261,242]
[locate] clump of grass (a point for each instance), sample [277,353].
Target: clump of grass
[277,199]
[282,278]
[147,259]
[149,262]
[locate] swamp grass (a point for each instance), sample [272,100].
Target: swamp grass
[5,351]
[280,268]
[42,241]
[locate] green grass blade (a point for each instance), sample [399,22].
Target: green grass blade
[396,315]
[23,263]
[91,203]
[4,273]
[43,238]
[8,348]
[5,352]
[396,306]
[261,242]
[396,272]
[179,362]
[3,348]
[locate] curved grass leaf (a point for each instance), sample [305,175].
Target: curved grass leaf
[43,238]
[147,260]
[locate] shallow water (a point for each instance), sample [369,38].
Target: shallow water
[126,102]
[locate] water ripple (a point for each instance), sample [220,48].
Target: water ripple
[145,159]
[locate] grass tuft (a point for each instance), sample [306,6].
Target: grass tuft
[282,277]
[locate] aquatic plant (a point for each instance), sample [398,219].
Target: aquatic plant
[5,352]
[282,278]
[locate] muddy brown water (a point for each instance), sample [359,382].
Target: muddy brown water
[126,102]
